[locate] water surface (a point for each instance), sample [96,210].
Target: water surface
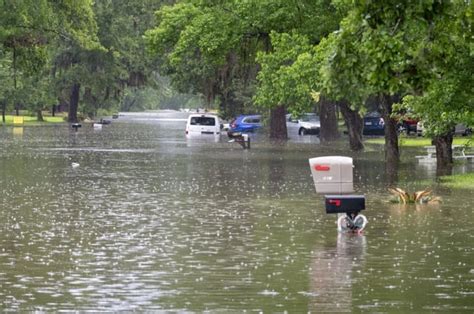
[152,221]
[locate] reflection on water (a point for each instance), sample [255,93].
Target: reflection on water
[199,140]
[18,131]
[152,221]
[331,276]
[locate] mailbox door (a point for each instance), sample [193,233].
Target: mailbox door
[344,203]
[332,174]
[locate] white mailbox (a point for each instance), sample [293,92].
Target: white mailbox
[332,174]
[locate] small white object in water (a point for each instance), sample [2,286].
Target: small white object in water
[347,224]
[75,165]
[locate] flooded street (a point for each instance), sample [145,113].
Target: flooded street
[150,220]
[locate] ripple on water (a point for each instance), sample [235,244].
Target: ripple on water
[150,221]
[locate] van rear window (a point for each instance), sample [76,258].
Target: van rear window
[203,121]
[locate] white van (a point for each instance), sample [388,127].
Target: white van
[203,124]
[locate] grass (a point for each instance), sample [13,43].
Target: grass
[464,181]
[32,120]
[421,141]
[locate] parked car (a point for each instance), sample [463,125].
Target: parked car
[373,124]
[459,129]
[419,128]
[462,130]
[245,124]
[307,123]
[198,124]
[409,125]
[406,121]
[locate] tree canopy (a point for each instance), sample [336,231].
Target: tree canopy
[238,56]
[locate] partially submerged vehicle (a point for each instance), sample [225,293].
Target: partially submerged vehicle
[245,124]
[307,123]
[203,124]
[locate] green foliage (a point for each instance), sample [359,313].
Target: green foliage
[446,67]
[193,43]
[76,22]
[421,49]
[121,26]
[291,72]
[30,33]
[105,74]
[339,69]
[312,19]
[211,46]
[341,49]
[153,99]
[370,54]
[28,23]
[172,20]
[286,75]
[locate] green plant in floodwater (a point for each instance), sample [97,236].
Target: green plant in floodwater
[420,197]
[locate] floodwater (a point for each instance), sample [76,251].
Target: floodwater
[152,221]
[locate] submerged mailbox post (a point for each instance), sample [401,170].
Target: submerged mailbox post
[333,177]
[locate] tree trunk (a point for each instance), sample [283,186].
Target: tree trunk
[73,103]
[39,115]
[209,93]
[229,107]
[329,131]
[278,129]
[354,124]
[14,68]
[53,111]
[4,109]
[62,105]
[392,154]
[90,100]
[126,106]
[444,153]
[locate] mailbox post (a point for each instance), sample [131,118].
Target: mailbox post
[333,177]
[76,126]
[241,138]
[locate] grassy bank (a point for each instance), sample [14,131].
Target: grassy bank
[421,141]
[465,181]
[32,120]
